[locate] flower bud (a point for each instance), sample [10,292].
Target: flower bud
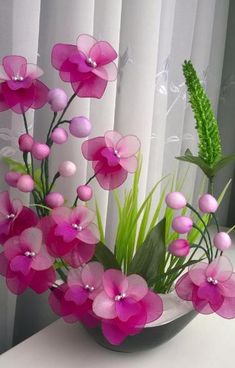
[222,241]
[40,150]
[80,127]
[12,177]
[59,135]
[84,192]
[54,199]
[67,168]
[182,224]
[176,200]
[25,142]
[208,204]
[179,248]
[25,183]
[58,99]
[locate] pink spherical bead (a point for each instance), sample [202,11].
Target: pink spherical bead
[59,136]
[84,192]
[80,127]
[176,200]
[12,177]
[40,150]
[67,168]
[182,224]
[208,204]
[179,248]
[25,183]
[58,99]
[54,199]
[25,142]
[222,241]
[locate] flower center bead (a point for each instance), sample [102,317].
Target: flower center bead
[212,281]
[90,288]
[11,216]
[17,78]
[77,227]
[91,62]
[117,154]
[30,254]
[119,297]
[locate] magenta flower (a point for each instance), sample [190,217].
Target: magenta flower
[20,88]
[14,217]
[75,224]
[25,262]
[113,157]
[210,287]
[88,66]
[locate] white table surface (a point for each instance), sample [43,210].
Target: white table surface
[207,342]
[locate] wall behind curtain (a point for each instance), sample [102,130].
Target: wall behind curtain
[153,37]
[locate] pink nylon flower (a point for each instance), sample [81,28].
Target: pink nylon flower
[88,66]
[113,157]
[210,287]
[25,262]
[14,217]
[20,88]
[75,223]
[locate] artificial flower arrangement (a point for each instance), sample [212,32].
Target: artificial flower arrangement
[60,248]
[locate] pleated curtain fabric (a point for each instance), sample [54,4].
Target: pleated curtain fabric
[153,38]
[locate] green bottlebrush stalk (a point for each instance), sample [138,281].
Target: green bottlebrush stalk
[206,123]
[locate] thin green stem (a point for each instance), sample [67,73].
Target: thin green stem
[66,107]
[61,274]
[56,176]
[205,239]
[25,122]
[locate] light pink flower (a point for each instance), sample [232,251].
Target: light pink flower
[88,66]
[20,88]
[113,157]
[75,223]
[14,217]
[26,263]
[210,287]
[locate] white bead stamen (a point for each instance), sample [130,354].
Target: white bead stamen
[17,78]
[91,62]
[30,254]
[212,281]
[77,227]
[119,297]
[90,288]
[116,153]
[11,216]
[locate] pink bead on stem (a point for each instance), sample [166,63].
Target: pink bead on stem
[12,177]
[84,192]
[25,183]
[182,224]
[175,200]
[80,127]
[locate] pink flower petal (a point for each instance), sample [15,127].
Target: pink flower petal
[92,274]
[197,273]
[66,231]
[92,147]
[76,294]
[5,204]
[81,215]
[15,66]
[135,324]
[33,71]
[57,246]
[137,287]
[130,164]
[12,247]
[102,53]
[126,308]
[220,269]
[200,305]
[211,293]
[114,282]
[25,219]
[109,178]
[128,146]
[107,72]
[55,298]
[75,278]
[32,238]
[60,53]
[17,206]
[42,260]
[227,309]
[112,138]
[85,43]
[21,264]
[104,307]
[91,87]
[184,287]
[153,306]
[113,334]
[61,215]
[80,254]
[227,288]
[40,95]
[42,280]
[89,235]
[17,283]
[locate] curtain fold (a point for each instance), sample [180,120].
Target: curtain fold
[153,38]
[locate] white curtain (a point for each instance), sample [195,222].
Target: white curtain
[153,38]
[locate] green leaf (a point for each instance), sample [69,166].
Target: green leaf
[104,255]
[99,222]
[150,256]
[222,162]
[209,171]
[15,165]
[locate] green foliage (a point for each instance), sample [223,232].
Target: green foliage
[105,256]
[15,165]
